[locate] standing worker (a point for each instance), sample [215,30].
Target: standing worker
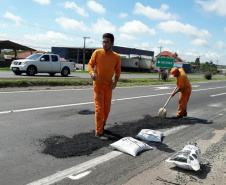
[107,63]
[184,87]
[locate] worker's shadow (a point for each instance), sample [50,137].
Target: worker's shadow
[199,120]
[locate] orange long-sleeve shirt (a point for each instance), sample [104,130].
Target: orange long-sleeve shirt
[106,65]
[182,81]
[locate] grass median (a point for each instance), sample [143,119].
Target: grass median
[87,82]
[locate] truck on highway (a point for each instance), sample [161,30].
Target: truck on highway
[42,63]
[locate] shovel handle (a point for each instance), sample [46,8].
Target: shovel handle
[169,98]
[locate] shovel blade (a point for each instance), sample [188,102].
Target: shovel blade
[162,113]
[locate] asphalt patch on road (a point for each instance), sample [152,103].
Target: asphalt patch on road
[86,112]
[61,146]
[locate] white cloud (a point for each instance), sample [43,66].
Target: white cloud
[216,6]
[165,42]
[154,14]
[16,19]
[124,37]
[3,35]
[200,42]
[191,54]
[187,29]
[225,29]
[50,36]
[96,7]
[2,25]
[211,56]
[37,25]
[71,24]
[136,27]
[102,26]
[145,46]
[77,9]
[47,40]
[42,1]
[220,45]
[123,15]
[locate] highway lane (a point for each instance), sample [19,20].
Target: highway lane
[28,116]
[10,74]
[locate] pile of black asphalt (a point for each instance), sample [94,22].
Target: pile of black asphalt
[82,144]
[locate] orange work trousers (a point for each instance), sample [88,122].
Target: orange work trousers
[182,105]
[102,100]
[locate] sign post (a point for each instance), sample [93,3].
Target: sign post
[164,62]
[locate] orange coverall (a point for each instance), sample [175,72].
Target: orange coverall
[106,65]
[185,86]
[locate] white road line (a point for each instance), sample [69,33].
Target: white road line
[90,164]
[137,97]
[49,107]
[209,88]
[79,176]
[86,103]
[217,94]
[37,91]
[76,104]
[76,169]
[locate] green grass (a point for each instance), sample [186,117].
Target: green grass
[5,68]
[88,82]
[44,82]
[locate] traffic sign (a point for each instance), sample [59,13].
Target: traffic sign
[165,62]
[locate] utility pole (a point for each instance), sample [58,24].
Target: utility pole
[160,48]
[84,52]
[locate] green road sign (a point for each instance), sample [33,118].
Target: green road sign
[165,62]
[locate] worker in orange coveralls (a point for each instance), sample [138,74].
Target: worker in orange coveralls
[107,64]
[184,87]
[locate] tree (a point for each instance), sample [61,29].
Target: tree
[197,64]
[209,67]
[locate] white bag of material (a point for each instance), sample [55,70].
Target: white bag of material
[194,147]
[150,135]
[130,146]
[188,158]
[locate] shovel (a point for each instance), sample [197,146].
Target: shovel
[162,111]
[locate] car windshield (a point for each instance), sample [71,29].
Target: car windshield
[34,56]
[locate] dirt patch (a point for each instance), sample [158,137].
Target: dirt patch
[61,146]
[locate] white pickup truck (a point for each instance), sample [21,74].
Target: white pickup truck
[42,63]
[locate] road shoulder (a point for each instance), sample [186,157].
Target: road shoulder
[213,169]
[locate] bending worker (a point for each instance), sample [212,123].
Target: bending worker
[106,63]
[184,87]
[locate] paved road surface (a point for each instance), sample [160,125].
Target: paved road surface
[27,116]
[10,74]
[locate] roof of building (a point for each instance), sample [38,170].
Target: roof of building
[22,55]
[170,55]
[27,54]
[6,44]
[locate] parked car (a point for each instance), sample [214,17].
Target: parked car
[42,63]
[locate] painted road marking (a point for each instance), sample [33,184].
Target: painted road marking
[76,104]
[41,108]
[87,103]
[73,171]
[37,91]
[79,176]
[209,88]
[162,88]
[217,94]
[76,169]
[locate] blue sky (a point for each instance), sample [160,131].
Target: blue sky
[192,28]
